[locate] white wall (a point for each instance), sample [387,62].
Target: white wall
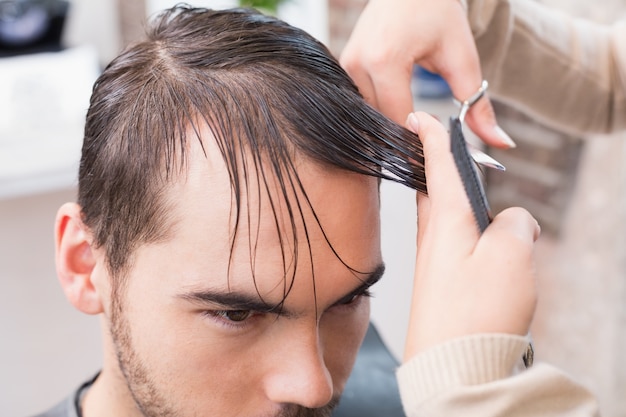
[95,23]
[46,347]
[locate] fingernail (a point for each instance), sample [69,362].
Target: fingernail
[413,123]
[505,138]
[537,231]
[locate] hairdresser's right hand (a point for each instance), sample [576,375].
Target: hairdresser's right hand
[466,283]
[392,35]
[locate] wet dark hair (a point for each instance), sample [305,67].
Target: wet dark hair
[267,91]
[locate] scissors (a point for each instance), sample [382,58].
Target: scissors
[467,157]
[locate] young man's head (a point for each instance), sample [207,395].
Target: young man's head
[227,224]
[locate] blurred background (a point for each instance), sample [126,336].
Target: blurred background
[51,55]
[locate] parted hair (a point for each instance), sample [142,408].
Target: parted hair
[263,87]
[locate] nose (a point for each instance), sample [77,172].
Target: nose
[299,374]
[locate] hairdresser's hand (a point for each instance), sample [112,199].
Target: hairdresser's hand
[392,35]
[466,283]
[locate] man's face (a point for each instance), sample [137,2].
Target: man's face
[194,336]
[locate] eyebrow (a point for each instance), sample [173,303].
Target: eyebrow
[370,280]
[234,300]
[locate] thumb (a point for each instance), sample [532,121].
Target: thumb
[481,119]
[464,76]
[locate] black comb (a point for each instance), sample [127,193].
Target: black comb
[469,175]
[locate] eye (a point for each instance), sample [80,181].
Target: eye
[235,316]
[233,319]
[353,300]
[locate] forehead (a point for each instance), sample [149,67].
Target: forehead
[325,217]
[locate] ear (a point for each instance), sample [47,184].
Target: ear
[75,260]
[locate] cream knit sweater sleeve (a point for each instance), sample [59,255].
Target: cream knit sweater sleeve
[480,376]
[564,71]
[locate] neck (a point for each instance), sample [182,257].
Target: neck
[109,394]
[103,399]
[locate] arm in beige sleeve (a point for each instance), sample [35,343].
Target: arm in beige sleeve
[564,71]
[479,376]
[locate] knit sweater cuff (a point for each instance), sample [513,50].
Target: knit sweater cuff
[471,360]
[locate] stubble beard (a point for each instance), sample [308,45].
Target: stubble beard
[148,400]
[151,402]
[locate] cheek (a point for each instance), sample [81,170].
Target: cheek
[182,352]
[197,368]
[341,338]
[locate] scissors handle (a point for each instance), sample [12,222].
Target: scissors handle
[466,104]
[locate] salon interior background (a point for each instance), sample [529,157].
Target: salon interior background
[46,347]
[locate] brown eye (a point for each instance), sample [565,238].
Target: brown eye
[351,300]
[234,319]
[355,297]
[236,315]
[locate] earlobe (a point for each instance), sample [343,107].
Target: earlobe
[75,260]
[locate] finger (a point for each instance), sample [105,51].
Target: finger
[423,216]
[423,202]
[511,235]
[463,74]
[444,184]
[517,224]
[481,119]
[392,86]
[448,206]
[361,78]
[508,243]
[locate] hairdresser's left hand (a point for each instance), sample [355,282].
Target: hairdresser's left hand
[466,283]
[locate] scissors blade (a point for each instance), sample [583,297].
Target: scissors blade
[483,159]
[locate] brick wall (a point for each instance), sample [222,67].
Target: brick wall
[541,171]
